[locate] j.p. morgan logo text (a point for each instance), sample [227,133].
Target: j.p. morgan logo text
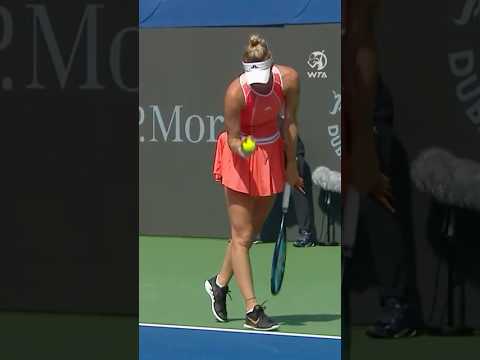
[176,125]
[462,66]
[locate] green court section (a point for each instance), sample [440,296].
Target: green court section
[38,336]
[173,271]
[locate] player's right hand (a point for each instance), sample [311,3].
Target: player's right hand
[236,147]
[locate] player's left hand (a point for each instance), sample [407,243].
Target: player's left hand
[294,178]
[382,192]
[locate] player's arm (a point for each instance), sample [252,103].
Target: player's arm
[366,174]
[233,105]
[290,125]
[363,57]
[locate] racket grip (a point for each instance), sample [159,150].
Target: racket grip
[286,197]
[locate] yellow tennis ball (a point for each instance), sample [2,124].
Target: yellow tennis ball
[248,145]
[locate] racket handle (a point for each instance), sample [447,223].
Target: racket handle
[286,197]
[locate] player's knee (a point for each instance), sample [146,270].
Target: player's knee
[243,238]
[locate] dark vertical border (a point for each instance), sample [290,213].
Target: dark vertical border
[426,56]
[69,110]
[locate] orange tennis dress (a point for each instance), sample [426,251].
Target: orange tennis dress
[263,172]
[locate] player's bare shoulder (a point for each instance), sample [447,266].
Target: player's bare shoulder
[290,77]
[234,92]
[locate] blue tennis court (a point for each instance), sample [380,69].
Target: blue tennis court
[182,342]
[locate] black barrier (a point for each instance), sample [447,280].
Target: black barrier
[69,229]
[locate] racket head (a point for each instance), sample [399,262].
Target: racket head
[279,259]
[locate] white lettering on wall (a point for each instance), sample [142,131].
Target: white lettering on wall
[189,128]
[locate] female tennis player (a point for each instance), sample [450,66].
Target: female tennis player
[254,102]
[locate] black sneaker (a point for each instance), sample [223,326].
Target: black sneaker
[258,320]
[305,239]
[218,296]
[395,322]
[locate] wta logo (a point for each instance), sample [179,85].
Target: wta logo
[317,60]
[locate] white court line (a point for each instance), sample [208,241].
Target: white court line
[241,331]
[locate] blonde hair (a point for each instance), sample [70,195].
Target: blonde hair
[256,50]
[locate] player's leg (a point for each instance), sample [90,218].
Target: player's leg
[256,317]
[262,208]
[226,271]
[269,227]
[240,211]
[217,287]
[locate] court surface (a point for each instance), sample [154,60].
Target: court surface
[92,337]
[175,316]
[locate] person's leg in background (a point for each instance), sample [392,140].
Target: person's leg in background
[304,209]
[389,246]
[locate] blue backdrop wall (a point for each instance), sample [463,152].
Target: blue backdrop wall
[194,13]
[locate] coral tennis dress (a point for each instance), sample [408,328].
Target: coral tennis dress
[263,172]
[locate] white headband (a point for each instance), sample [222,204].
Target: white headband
[261,65]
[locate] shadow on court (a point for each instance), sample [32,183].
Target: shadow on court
[302,319]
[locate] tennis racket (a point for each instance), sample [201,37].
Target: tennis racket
[280,251]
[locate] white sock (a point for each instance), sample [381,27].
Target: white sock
[216,282]
[249,311]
